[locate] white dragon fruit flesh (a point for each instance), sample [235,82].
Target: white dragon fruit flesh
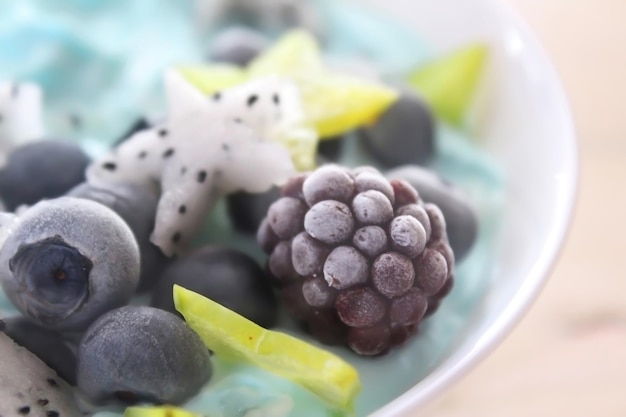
[206,148]
[29,387]
[20,115]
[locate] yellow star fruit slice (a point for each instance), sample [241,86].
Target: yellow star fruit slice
[448,85]
[164,411]
[336,104]
[333,103]
[295,52]
[212,78]
[233,337]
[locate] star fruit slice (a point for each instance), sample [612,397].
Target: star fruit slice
[233,337]
[333,103]
[164,411]
[449,84]
[212,78]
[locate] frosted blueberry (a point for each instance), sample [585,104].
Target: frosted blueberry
[224,275]
[139,353]
[67,261]
[404,134]
[39,170]
[269,16]
[136,205]
[247,210]
[237,45]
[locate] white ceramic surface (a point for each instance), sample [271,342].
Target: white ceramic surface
[529,129]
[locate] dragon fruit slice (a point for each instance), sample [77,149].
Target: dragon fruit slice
[272,106]
[206,149]
[20,115]
[28,386]
[141,164]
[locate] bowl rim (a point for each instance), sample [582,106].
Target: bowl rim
[452,371]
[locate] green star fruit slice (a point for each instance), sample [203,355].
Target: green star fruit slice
[333,103]
[295,52]
[448,85]
[336,104]
[210,79]
[233,337]
[163,411]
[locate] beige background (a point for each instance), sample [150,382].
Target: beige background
[568,356]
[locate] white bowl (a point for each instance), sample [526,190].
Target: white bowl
[530,131]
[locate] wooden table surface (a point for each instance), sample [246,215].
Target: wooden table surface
[568,356]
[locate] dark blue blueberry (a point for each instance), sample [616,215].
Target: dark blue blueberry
[40,170]
[138,125]
[330,150]
[460,215]
[247,210]
[404,134]
[224,275]
[138,353]
[141,124]
[238,46]
[67,261]
[136,205]
[47,345]
[272,17]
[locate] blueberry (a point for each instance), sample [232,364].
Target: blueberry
[138,125]
[38,170]
[237,45]
[140,353]
[460,215]
[68,260]
[404,134]
[247,210]
[136,205]
[274,16]
[330,150]
[46,344]
[224,275]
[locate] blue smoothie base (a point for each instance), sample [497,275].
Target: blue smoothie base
[91,58]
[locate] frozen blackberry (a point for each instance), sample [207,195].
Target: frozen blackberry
[359,260]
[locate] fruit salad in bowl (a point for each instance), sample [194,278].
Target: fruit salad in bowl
[271,208]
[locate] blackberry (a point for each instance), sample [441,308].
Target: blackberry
[359,260]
